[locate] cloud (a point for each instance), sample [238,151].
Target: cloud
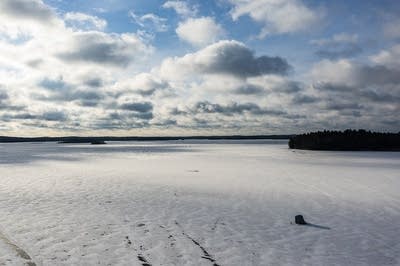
[66,61]
[53,84]
[391,29]
[277,16]
[233,108]
[304,99]
[126,115]
[87,94]
[150,20]
[343,105]
[276,84]
[121,121]
[140,107]
[336,39]
[355,74]
[181,8]
[20,20]
[381,96]
[145,84]
[249,89]
[344,80]
[53,116]
[3,95]
[389,57]
[28,10]
[341,45]
[367,94]
[331,71]
[87,98]
[83,21]
[94,82]
[129,111]
[45,116]
[225,57]
[349,92]
[101,48]
[200,31]
[377,75]
[5,103]
[336,53]
[65,72]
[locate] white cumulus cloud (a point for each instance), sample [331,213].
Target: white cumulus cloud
[181,8]
[277,16]
[200,31]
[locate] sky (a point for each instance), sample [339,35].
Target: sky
[211,67]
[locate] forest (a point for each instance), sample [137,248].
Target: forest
[348,140]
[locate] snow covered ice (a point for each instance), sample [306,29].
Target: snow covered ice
[197,203]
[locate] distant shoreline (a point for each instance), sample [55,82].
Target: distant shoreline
[75,139]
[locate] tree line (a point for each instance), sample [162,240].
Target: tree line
[77,139]
[356,140]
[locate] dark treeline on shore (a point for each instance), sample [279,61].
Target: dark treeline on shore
[5,139]
[350,140]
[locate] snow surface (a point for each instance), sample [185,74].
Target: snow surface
[197,203]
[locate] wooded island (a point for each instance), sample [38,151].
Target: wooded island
[348,140]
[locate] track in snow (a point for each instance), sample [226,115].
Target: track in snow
[19,251]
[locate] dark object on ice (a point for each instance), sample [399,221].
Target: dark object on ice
[298,219]
[348,140]
[98,142]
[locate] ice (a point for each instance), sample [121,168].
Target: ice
[197,203]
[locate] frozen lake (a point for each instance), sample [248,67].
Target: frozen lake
[197,203]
